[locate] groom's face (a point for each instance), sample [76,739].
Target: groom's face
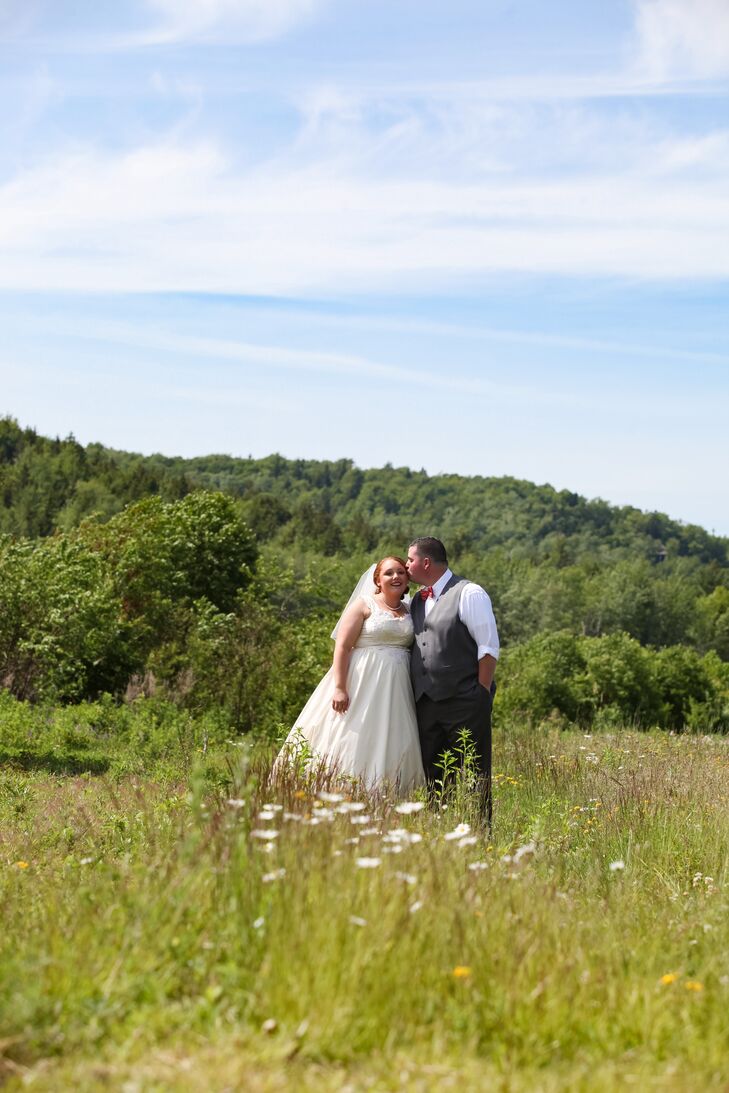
[417,567]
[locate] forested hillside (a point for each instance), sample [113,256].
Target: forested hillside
[215,581]
[49,484]
[470,513]
[331,506]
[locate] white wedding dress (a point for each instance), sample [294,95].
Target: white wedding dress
[376,740]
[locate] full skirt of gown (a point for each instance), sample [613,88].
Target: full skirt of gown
[376,740]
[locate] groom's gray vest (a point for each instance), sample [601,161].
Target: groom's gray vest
[444,657]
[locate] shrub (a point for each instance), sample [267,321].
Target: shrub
[541,677]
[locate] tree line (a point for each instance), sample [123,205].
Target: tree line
[124,575]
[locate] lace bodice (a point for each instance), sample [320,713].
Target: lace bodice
[382,628]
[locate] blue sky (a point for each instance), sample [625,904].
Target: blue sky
[488,236]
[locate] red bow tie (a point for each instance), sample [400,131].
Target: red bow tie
[426,592]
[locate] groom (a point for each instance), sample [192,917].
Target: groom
[452,662]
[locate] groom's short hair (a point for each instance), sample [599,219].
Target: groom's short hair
[428,547]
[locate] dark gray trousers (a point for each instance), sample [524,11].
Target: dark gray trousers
[440,725]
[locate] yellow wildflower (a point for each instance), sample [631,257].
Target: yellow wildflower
[300,795]
[669,977]
[21,864]
[461,971]
[693,985]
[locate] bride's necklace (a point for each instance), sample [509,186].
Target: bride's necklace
[392,610]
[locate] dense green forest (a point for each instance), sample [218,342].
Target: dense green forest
[214,581]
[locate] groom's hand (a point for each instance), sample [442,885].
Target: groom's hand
[486,669]
[340,702]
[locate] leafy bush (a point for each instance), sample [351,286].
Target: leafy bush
[613,680]
[62,630]
[620,673]
[542,676]
[81,613]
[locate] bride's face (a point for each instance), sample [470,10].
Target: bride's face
[393,577]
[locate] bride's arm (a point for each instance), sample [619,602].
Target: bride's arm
[349,630]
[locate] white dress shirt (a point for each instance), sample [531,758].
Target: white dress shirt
[474,611]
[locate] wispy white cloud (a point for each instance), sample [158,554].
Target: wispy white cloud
[183,216]
[239,364]
[216,20]
[380,188]
[285,358]
[122,26]
[538,339]
[682,38]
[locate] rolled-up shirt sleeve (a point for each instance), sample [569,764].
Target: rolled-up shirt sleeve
[477,615]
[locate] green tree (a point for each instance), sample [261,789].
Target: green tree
[619,673]
[264,514]
[168,552]
[712,622]
[541,678]
[683,683]
[62,632]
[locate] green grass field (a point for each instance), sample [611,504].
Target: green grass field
[221,932]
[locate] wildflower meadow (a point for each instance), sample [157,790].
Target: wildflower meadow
[221,927]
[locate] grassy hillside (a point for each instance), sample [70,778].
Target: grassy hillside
[242,933]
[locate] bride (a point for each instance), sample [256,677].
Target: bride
[361,718]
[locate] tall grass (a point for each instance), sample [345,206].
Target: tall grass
[261,935]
